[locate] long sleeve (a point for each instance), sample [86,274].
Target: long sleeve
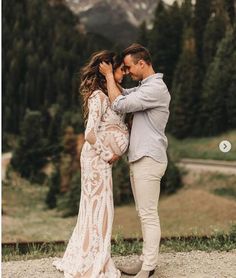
[145,97]
[126,92]
[91,132]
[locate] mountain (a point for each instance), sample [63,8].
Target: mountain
[117,20]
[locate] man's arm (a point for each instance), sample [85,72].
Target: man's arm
[145,97]
[137,101]
[126,92]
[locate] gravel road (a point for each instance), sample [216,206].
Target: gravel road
[209,165]
[194,264]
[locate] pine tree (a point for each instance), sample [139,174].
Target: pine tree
[214,31]
[143,35]
[230,8]
[201,15]
[165,39]
[219,98]
[32,152]
[187,13]
[185,94]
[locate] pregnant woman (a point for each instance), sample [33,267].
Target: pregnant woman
[88,253]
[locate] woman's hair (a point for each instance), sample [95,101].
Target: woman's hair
[90,77]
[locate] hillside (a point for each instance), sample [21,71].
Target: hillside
[205,204]
[202,148]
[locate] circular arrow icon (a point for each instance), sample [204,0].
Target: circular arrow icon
[225,146]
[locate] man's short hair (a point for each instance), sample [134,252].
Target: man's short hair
[138,52]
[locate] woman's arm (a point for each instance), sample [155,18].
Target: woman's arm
[94,119]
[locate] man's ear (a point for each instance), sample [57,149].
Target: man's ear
[141,63]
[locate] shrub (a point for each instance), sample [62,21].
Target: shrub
[171,181]
[54,188]
[122,192]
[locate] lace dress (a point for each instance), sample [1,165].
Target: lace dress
[88,253]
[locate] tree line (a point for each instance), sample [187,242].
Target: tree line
[195,47]
[42,54]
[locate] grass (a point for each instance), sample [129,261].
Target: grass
[33,252]
[194,210]
[26,217]
[223,191]
[121,247]
[219,241]
[202,148]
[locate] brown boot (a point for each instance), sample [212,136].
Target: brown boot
[145,274]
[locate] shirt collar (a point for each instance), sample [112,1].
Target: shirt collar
[150,77]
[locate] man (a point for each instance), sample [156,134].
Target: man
[149,103]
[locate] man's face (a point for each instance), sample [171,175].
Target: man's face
[133,69]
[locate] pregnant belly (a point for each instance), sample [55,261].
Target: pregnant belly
[117,141]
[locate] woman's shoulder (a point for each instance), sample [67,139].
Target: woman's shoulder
[98,93]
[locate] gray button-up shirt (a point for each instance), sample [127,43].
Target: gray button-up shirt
[150,104]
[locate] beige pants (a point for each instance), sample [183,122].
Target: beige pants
[145,176]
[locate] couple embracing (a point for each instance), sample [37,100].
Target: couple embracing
[107,138]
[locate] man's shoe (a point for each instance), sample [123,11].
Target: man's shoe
[131,269]
[151,273]
[145,274]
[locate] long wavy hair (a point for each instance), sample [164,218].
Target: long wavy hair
[91,79]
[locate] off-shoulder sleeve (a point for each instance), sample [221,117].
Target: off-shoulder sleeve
[91,131]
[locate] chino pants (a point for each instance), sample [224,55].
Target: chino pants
[145,176]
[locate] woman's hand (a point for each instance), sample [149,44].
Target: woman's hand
[105,69]
[114,158]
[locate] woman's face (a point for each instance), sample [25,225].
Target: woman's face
[119,73]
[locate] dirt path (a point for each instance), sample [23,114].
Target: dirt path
[224,167]
[194,264]
[6,157]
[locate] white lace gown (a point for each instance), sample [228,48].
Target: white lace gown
[88,253]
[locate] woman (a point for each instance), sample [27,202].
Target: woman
[106,137]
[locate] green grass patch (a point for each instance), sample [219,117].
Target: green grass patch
[226,191]
[220,242]
[123,247]
[202,148]
[32,252]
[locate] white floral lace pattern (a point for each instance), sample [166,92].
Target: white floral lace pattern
[88,253]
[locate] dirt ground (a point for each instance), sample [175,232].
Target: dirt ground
[194,264]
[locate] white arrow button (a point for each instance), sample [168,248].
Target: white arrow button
[225,146]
